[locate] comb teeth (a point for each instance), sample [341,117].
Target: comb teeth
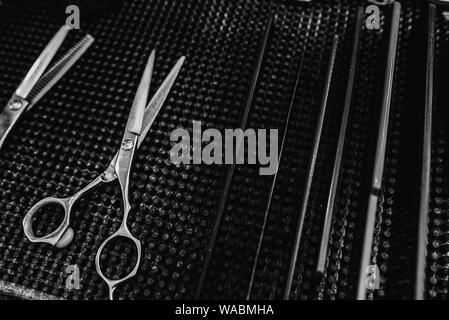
[58,70]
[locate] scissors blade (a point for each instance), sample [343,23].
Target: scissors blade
[137,112]
[151,111]
[60,68]
[156,103]
[42,63]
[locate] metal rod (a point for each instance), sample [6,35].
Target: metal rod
[297,240]
[341,143]
[273,184]
[426,160]
[231,168]
[380,152]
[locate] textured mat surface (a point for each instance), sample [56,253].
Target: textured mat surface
[70,137]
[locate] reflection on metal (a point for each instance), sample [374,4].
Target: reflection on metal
[379,161]
[273,184]
[311,170]
[231,168]
[426,160]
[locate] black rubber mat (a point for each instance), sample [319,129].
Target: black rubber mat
[72,134]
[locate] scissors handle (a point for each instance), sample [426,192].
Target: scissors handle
[63,235]
[122,232]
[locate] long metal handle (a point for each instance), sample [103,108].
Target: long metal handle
[341,144]
[122,232]
[231,169]
[380,152]
[38,68]
[63,235]
[274,181]
[426,159]
[311,171]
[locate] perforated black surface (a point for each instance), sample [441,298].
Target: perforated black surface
[437,263]
[72,134]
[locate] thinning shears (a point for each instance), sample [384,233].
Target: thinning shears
[36,84]
[139,123]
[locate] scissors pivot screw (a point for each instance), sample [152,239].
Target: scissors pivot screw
[40,79]
[109,176]
[127,145]
[15,104]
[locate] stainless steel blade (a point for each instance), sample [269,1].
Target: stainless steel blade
[42,63]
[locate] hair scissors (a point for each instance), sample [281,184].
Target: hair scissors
[139,123]
[36,84]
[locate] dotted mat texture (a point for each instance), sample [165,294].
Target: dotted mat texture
[69,138]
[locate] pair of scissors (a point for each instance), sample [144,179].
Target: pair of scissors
[36,84]
[139,123]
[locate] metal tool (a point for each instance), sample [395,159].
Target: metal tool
[426,159]
[231,169]
[273,183]
[379,161]
[322,256]
[36,84]
[139,123]
[311,171]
